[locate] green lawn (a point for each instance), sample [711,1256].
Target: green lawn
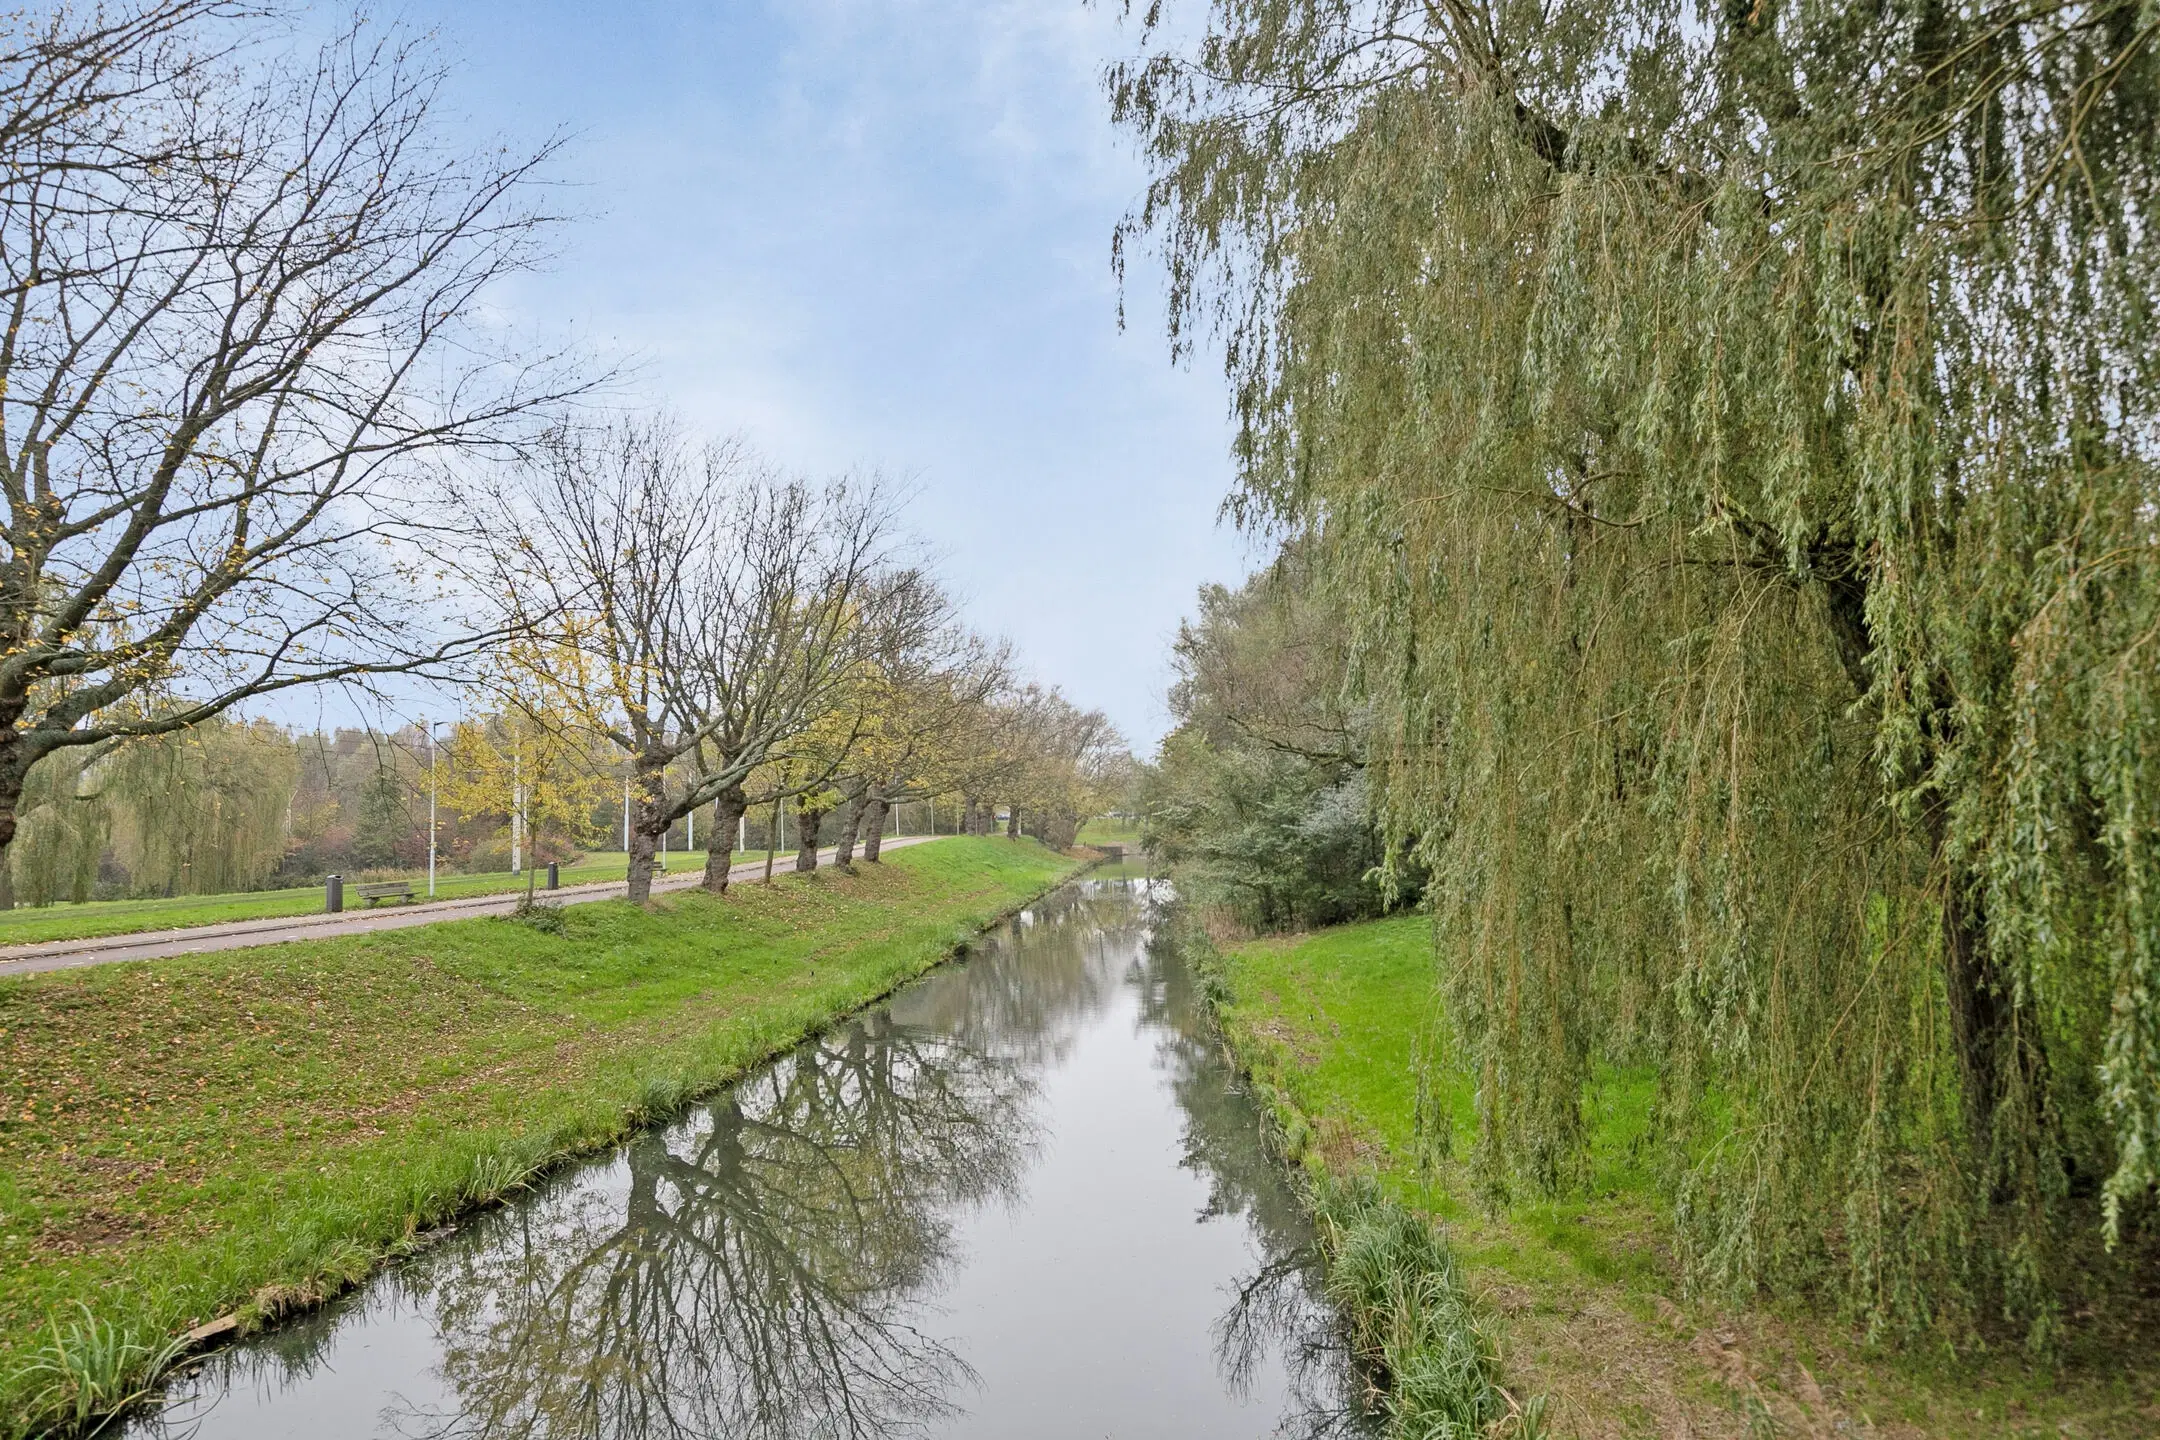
[1132,867]
[1108,830]
[186,1137]
[97,918]
[1330,1025]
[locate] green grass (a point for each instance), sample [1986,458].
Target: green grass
[1108,830]
[1423,1343]
[1132,867]
[97,918]
[1105,830]
[1330,1025]
[254,1129]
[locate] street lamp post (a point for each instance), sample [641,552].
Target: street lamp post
[430,807]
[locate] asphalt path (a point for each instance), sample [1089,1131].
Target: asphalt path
[244,934]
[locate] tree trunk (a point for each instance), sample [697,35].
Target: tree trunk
[644,845]
[873,827]
[808,818]
[772,840]
[14,770]
[850,826]
[728,807]
[1992,1049]
[1979,1009]
[1012,823]
[647,785]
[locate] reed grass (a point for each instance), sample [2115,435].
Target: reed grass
[1426,1347]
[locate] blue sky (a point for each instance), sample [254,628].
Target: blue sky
[876,232]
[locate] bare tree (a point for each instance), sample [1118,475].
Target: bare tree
[723,607]
[240,292]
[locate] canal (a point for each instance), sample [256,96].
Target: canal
[1026,1197]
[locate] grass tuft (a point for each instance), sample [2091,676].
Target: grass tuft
[1417,1334]
[539,915]
[503,1170]
[662,1095]
[90,1369]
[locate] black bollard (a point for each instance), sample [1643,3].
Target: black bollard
[554,875]
[333,894]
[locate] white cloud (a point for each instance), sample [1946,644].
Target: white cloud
[877,231]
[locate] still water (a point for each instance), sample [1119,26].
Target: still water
[1024,1198]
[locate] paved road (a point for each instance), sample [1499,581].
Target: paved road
[242,934]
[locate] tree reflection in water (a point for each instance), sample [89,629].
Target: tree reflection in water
[765,1270]
[1276,1309]
[1030,990]
[760,1274]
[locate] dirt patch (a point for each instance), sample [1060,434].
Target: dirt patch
[89,1230]
[1612,1373]
[1286,1040]
[1346,1148]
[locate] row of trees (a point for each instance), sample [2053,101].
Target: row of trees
[808,669]
[1731,435]
[747,638]
[261,427]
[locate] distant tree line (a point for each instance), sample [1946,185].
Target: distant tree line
[231,805]
[1731,437]
[1258,797]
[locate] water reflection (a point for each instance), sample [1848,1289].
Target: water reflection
[774,1266]
[1274,1315]
[759,1276]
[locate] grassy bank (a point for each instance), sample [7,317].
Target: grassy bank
[1582,1292]
[94,919]
[1108,830]
[246,1131]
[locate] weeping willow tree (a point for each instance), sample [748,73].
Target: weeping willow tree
[1737,428]
[198,811]
[63,834]
[201,811]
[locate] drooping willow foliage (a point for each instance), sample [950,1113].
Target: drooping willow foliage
[62,834]
[203,810]
[198,811]
[1739,424]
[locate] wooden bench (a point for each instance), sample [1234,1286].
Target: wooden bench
[387,890]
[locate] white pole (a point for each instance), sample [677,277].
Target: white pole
[626,815]
[430,807]
[742,831]
[517,810]
[690,831]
